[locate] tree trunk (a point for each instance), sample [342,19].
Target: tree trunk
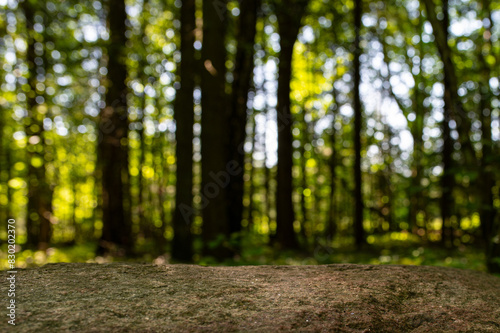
[243,75]
[144,220]
[289,22]
[452,107]
[215,171]
[488,214]
[417,130]
[303,183]
[251,190]
[113,142]
[359,233]
[332,163]
[39,193]
[453,104]
[184,118]
[267,176]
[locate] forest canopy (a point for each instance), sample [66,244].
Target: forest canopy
[251,131]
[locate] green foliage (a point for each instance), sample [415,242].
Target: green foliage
[257,252]
[401,137]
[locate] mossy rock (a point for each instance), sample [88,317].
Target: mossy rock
[124,297]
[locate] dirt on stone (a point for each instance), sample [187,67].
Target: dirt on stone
[125,297]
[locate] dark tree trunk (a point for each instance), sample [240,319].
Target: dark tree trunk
[488,213]
[303,183]
[359,233]
[267,202]
[332,163]
[215,171]
[251,190]
[453,104]
[39,191]
[417,130]
[284,205]
[452,107]
[184,118]
[267,179]
[289,21]
[158,190]
[113,144]
[242,74]
[385,180]
[144,218]
[448,179]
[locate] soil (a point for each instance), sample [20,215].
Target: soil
[130,297]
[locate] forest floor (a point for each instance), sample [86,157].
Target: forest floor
[131,297]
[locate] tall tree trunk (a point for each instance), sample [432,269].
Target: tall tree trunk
[243,75]
[267,174]
[417,130]
[452,106]
[156,202]
[39,193]
[332,163]
[289,21]
[251,190]
[386,183]
[303,183]
[113,141]
[215,171]
[164,169]
[144,220]
[184,118]
[448,179]
[487,211]
[359,233]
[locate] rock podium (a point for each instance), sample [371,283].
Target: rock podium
[130,297]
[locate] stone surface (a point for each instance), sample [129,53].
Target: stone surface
[129,297]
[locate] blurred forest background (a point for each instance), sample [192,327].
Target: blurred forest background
[251,131]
